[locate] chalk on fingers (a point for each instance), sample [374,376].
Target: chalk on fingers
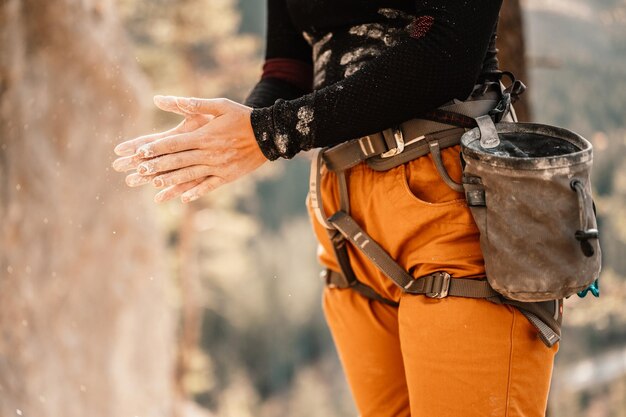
[186,198]
[124,149]
[135,180]
[158,198]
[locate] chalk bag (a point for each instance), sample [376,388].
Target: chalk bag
[528,187]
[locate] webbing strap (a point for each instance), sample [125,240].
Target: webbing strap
[348,279]
[315,191]
[548,336]
[348,154]
[417,148]
[350,230]
[338,280]
[548,325]
[344,197]
[343,258]
[436,285]
[449,118]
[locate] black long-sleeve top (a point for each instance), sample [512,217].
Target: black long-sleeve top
[340,69]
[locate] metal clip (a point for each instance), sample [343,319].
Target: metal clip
[488,132]
[441,285]
[334,279]
[397,135]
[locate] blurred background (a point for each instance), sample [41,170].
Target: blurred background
[113,306]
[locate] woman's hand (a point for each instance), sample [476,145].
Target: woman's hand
[128,150]
[213,146]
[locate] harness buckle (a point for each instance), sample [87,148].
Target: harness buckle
[334,279]
[440,285]
[397,135]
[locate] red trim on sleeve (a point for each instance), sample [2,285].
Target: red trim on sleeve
[292,71]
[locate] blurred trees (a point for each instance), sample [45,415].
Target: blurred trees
[245,253]
[192,47]
[85,326]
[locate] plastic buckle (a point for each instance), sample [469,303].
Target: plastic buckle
[583,237]
[325,277]
[441,285]
[397,135]
[334,279]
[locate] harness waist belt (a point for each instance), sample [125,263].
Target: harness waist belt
[370,148]
[412,135]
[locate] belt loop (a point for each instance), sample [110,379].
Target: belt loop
[365,142]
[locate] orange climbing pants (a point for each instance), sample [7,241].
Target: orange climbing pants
[450,357]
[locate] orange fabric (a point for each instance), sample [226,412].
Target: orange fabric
[449,357]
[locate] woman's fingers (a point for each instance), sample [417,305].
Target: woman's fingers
[214,106]
[182,175]
[192,105]
[170,162]
[191,123]
[207,185]
[130,146]
[174,191]
[171,144]
[135,180]
[168,103]
[126,163]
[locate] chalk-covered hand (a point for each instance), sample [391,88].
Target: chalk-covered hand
[127,150]
[215,145]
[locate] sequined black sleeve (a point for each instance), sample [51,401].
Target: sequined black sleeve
[439,59]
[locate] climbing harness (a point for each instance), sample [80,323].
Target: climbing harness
[432,132]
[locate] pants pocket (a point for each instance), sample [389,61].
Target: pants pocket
[422,181]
